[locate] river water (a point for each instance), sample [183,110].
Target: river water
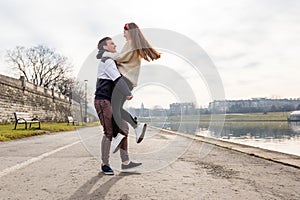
[278,136]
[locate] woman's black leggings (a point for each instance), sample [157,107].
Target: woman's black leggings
[119,114]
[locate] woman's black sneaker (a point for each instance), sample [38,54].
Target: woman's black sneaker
[107,170]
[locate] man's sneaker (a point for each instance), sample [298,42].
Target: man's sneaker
[107,170]
[116,142]
[130,165]
[140,132]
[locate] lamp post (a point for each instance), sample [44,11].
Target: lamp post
[85,104]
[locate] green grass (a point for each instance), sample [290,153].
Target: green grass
[271,116]
[7,133]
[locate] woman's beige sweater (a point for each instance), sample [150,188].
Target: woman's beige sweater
[128,62]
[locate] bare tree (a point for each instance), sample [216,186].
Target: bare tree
[43,66]
[40,65]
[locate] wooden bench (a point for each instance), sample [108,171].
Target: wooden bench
[25,118]
[71,120]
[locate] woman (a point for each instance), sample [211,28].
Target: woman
[128,61]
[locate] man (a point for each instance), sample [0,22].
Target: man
[108,79]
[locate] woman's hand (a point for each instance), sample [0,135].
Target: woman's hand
[129,97]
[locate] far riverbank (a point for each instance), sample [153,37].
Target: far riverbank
[270,116]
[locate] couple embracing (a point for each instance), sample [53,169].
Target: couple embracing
[117,75]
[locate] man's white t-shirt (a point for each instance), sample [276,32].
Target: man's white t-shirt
[108,70]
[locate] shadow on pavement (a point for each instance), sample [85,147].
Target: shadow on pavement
[84,191]
[128,173]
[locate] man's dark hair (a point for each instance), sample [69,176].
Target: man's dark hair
[102,42]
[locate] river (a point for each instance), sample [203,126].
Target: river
[278,136]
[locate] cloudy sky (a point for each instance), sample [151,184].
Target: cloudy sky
[254,44]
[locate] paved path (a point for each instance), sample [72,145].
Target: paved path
[66,166]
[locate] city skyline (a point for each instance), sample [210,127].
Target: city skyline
[142,105]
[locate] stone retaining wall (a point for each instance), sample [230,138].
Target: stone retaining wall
[17,95]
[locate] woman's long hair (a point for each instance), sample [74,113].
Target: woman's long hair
[140,44]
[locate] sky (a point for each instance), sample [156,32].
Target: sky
[253,44]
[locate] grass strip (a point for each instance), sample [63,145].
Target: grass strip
[7,132]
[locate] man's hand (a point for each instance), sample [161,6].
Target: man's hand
[129,97]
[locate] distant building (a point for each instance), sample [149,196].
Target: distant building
[182,109]
[158,112]
[140,112]
[254,105]
[175,109]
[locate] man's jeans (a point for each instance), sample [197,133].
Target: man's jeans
[104,111]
